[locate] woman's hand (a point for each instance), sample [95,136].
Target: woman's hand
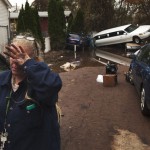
[18,54]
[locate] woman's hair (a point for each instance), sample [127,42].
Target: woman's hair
[31,43]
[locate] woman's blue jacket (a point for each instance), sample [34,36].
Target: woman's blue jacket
[31,124]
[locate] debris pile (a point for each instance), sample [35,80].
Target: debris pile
[68,66]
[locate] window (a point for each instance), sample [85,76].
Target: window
[101,36]
[144,54]
[112,34]
[131,28]
[121,32]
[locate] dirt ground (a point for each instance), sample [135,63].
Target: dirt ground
[57,58]
[95,117]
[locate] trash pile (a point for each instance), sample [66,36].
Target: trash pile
[68,66]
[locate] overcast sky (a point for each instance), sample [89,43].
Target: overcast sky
[19,2]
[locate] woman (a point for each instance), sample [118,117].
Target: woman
[28,93]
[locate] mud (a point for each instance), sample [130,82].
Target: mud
[95,117]
[101,118]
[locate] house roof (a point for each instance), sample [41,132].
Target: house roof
[14,15]
[7,3]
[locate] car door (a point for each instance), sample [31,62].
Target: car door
[146,77]
[124,37]
[113,38]
[101,39]
[141,67]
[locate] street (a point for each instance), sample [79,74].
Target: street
[101,118]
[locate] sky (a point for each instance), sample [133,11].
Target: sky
[19,2]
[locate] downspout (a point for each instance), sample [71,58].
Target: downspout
[8,29]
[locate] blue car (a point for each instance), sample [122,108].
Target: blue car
[74,39]
[77,39]
[139,75]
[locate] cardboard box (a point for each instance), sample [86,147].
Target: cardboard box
[109,80]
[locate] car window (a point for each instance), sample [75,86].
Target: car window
[141,52]
[131,28]
[101,36]
[144,54]
[112,34]
[121,32]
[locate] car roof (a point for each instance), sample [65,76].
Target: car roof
[113,29]
[74,35]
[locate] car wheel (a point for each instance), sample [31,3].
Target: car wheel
[136,40]
[144,109]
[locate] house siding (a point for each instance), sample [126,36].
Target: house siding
[4,14]
[4,24]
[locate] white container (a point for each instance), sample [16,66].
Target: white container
[47,45]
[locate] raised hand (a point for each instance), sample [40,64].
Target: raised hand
[18,54]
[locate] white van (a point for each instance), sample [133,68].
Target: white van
[122,34]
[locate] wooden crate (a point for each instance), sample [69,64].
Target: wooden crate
[109,80]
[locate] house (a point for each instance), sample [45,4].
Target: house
[4,24]
[43,20]
[43,23]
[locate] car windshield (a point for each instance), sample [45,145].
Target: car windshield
[131,28]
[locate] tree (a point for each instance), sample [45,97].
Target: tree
[21,24]
[37,28]
[56,24]
[70,21]
[72,5]
[123,13]
[78,22]
[41,5]
[28,18]
[96,13]
[136,11]
[142,13]
[28,21]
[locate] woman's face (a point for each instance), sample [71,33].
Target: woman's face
[15,68]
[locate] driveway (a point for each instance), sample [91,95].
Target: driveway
[101,118]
